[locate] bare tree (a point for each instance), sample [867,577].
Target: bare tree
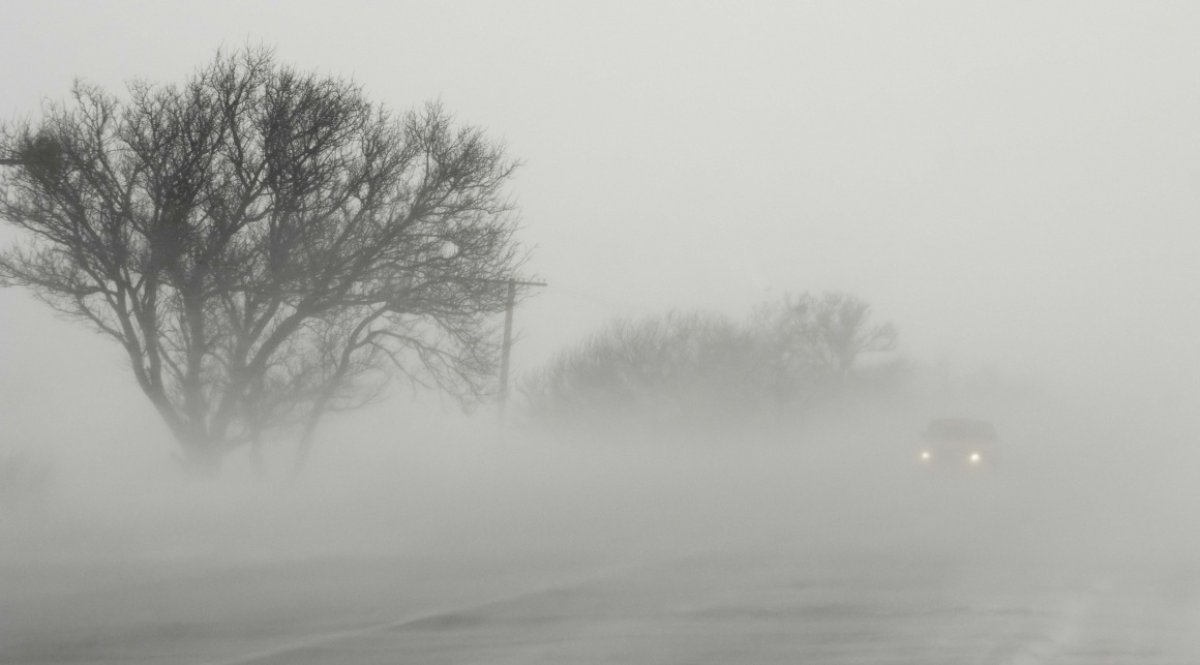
[266,245]
[842,331]
[700,368]
[672,368]
[823,334]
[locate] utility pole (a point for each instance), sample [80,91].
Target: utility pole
[506,350]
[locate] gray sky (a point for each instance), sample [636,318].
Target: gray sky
[1014,184]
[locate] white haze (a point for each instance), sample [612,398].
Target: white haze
[1014,185]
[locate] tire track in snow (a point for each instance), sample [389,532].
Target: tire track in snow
[412,618]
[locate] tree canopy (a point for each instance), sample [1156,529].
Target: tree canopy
[265,244]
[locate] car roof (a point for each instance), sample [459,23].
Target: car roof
[961,427]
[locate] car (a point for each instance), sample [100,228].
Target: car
[962,443]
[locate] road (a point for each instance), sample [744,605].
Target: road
[762,605]
[733,609]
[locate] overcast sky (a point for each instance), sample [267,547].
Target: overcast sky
[1013,184]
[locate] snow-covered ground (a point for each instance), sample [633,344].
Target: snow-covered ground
[784,610]
[780,604]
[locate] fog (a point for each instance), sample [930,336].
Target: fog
[384,529]
[1067,484]
[1012,186]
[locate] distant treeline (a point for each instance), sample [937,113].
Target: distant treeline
[787,356]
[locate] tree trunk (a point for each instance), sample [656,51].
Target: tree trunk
[201,463]
[304,448]
[201,455]
[256,459]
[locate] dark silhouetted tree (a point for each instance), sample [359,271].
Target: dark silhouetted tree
[266,245]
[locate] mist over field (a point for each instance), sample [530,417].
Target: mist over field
[462,517]
[753,261]
[1067,488]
